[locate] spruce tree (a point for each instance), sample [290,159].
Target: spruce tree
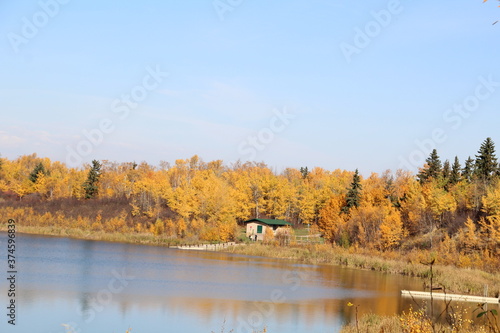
[304,172]
[91,184]
[456,172]
[354,194]
[446,172]
[486,161]
[468,171]
[39,168]
[432,169]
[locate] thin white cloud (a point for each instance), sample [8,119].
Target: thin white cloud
[9,140]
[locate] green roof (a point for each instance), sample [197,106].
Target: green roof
[269,221]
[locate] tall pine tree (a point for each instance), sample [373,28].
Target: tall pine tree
[486,161]
[446,172]
[39,168]
[468,171]
[456,172]
[353,197]
[304,172]
[91,184]
[432,168]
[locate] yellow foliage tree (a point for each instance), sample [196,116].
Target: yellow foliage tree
[491,224]
[438,201]
[375,190]
[307,205]
[364,224]
[413,207]
[181,228]
[391,229]
[332,222]
[158,228]
[467,237]
[268,235]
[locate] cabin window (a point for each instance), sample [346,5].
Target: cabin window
[259,229]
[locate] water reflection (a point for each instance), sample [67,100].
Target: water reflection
[188,291]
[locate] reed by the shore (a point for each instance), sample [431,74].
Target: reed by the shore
[120,237]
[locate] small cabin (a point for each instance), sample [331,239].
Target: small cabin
[256,228]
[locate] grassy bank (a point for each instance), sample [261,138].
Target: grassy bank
[132,238]
[453,279]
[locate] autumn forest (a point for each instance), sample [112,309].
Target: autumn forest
[450,208]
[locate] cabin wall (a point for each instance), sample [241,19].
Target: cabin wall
[252,229]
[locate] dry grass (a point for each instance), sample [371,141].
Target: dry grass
[133,238]
[374,323]
[409,322]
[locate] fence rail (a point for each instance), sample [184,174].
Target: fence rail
[309,239]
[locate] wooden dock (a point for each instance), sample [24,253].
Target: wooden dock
[450,297]
[204,247]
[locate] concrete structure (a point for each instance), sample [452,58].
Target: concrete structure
[256,228]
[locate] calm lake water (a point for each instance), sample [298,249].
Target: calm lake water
[94,287]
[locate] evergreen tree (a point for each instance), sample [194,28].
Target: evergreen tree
[304,172]
[468,171]
[456,174]
[486,162]
[354,194]
[39,168]
[390,189]
[446,172]
[432,169]
[91,184]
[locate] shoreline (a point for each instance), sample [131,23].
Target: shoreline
[127,238]
[464,281]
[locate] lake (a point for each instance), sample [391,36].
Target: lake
[68,285]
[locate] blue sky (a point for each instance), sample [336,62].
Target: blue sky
[252,80]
